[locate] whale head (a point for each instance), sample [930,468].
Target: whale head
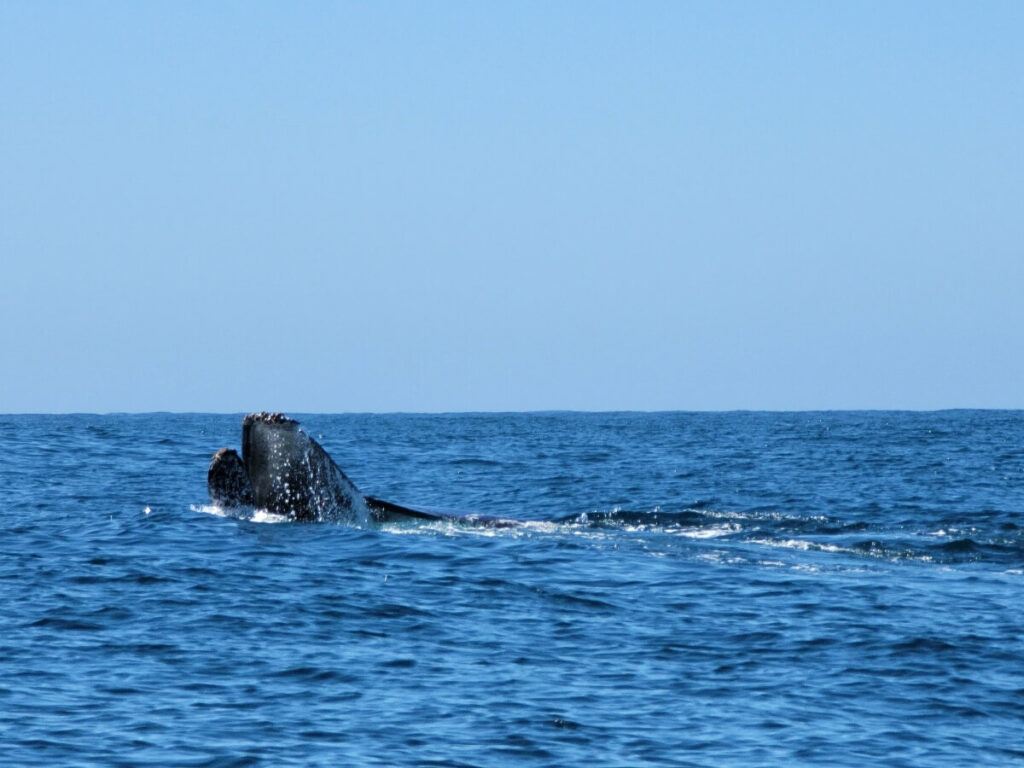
[291,474]
[228,480]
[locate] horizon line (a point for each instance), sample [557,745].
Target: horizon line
[538,411]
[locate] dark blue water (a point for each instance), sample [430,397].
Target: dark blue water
[708,589]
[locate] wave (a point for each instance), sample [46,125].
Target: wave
[767,529]
[240,513]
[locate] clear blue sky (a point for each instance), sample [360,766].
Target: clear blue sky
[518,206]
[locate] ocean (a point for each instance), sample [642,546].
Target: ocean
[686,589]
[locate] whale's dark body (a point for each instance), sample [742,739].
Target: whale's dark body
[285,471]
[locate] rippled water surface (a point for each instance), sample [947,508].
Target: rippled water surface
[691,589]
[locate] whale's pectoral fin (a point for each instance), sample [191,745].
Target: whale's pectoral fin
[228,480]
[389,512]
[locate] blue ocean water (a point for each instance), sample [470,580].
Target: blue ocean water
[694,589]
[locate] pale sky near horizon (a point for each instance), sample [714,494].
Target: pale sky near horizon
[457,206]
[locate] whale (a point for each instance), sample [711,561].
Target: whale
[283,470]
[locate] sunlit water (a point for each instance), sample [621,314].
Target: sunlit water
[693,589]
